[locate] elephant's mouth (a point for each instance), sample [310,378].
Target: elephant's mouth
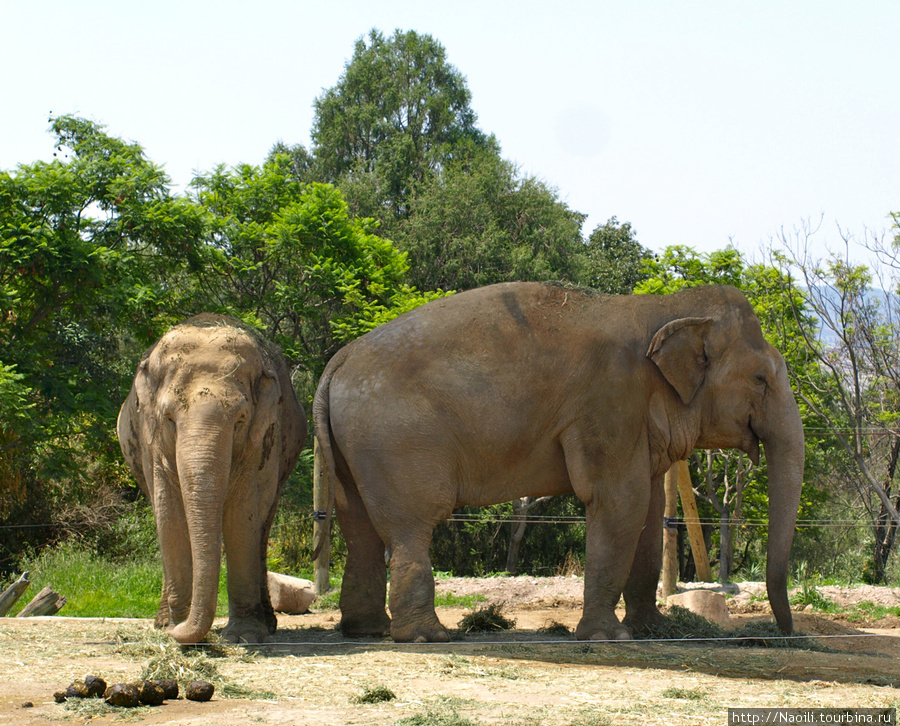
[750,444]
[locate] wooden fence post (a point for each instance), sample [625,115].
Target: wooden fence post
[12,593]
[670,534]
[692,520]
[321,503]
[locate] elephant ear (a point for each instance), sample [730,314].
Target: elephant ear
[266,393]
[143,386]
[678,349]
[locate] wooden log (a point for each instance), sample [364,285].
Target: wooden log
[46,602]
[321,523]
[12,593]
[692,520]
[670,534]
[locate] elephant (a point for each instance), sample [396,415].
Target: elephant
[531,389]
[211,429]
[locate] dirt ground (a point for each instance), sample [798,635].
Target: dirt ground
[525,677]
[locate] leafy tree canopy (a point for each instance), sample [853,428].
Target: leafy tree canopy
[398,113]
[614,259]
[479,222]
[289,258]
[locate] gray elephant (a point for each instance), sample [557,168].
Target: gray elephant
[527,389]
[211,429]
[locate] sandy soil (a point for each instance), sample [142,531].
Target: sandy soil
[313,676]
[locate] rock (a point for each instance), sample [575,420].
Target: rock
[123,695]
[199,691]
[60,697]
[150,693]
[291,595]
[28,704]
[96,686]
[710,605]
[169,686]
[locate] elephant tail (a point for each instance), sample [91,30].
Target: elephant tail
[322,424]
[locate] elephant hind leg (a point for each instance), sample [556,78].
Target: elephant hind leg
[364,585]
[412,592]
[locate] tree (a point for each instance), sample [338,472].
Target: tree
[289,258]
[479,222]
[95,256]
[398,113]
[614,259]
[854,387]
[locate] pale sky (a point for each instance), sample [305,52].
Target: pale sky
[696,121]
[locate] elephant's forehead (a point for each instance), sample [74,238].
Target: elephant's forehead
[215,348]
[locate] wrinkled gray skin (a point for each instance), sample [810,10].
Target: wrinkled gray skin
[527,389]
[211,429]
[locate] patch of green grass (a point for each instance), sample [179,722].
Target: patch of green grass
[435,718]
[452,600]
[684,694]
[375,694]
[96,586]
[589,718]
[809,594]
[868,610]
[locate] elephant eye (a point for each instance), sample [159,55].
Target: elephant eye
[761,379]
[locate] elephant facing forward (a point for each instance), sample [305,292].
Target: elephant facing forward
[211,429]
[527,389]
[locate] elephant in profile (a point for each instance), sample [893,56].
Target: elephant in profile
[211,430]
[529,389]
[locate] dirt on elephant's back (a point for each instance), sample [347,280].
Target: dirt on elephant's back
[533,674]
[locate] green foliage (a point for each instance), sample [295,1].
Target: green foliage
[397,114]
[92,257]
[616,262]
[94,585]
[479,222]
[290,258]
[478,544]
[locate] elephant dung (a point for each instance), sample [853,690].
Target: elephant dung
[710,605]
[291,595]
[199,691]
[123,695]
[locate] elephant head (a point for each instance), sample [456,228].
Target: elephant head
[211,430]
[733,392]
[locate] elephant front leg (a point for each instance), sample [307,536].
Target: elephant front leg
[641,611]
[244,549]
[607,560]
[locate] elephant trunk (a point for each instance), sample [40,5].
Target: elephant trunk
[204,453]
[783,441]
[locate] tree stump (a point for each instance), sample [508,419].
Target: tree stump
[46,602]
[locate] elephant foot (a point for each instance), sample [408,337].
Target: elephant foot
[246,630]
[369,626]
[602,630]
[433,632]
